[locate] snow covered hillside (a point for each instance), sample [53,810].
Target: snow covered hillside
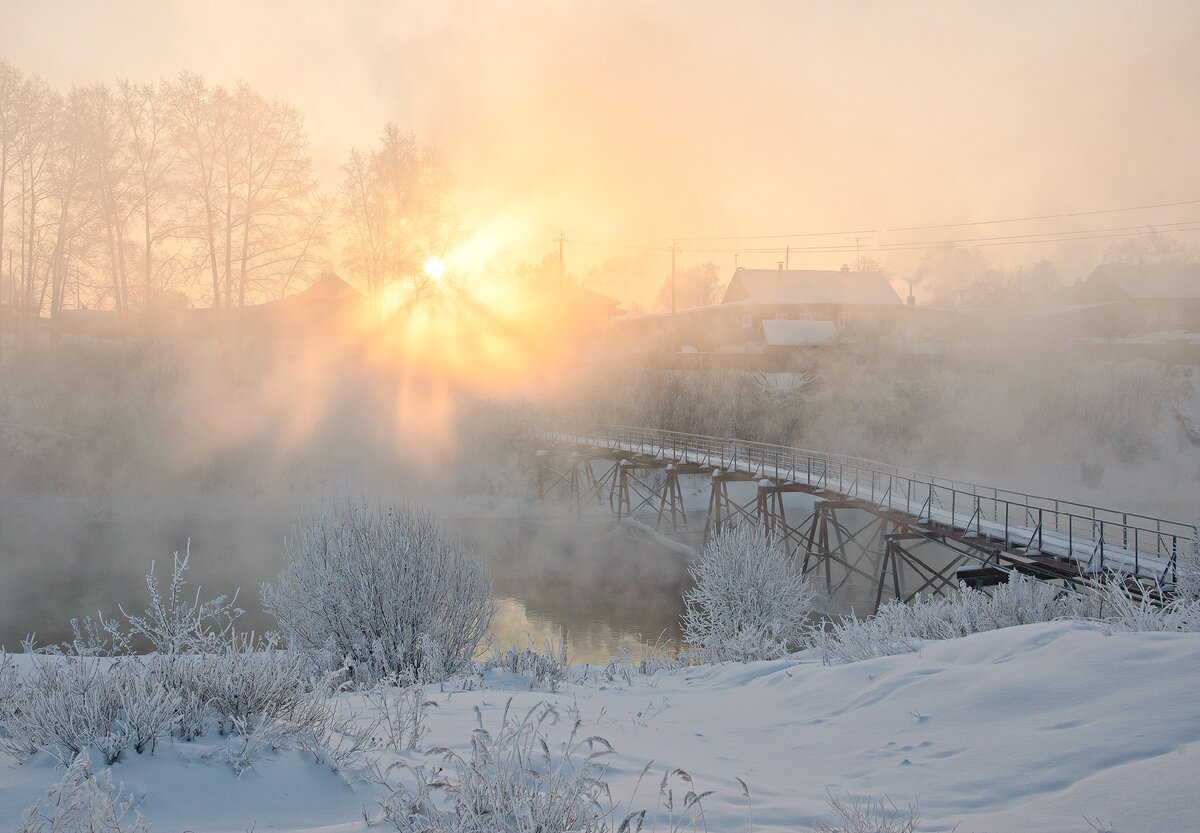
[1030,728]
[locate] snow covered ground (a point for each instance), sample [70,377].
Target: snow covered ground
[1029,728]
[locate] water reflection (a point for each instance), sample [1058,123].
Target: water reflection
[68,555]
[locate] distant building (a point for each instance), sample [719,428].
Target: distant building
[841,303]
[851,300]
[1122,300]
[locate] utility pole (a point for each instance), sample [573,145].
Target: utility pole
[858,251]
[787,257]
[562,272]
[674,249]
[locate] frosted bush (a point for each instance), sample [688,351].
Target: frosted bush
[175,625]
[869,815]
[245,685]
[749,602]
[384,591]
[1187,582]
[1119,608]
[899,628]
[510,782]
[401,715]
[65,706]
[548,669]
[171,623]
[84,802]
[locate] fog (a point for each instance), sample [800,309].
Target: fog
[156,394]
[682,119]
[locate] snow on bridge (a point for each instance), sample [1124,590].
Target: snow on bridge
[1047,537]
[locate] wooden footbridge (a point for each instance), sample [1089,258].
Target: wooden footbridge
[844,519]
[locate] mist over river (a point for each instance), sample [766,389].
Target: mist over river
[603,587]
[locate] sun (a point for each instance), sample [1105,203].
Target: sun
[435,268]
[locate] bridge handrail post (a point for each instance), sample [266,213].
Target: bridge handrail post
[1102,547]
[1137,561]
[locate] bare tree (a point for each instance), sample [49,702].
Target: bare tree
[198,117]
[109,167]
[11,84]
[154,160]
[396,208]
[695,286]
[1152,247]
[38,114]
[273,213]
[247,176]
[77,206]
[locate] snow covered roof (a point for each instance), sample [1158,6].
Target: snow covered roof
[810,286]
[1150,280]
[647,316]
[779,332]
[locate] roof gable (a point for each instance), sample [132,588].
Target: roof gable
[810,286]
[1149,280]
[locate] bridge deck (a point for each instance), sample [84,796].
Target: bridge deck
[1092,539]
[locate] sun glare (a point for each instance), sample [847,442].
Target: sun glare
[435,268]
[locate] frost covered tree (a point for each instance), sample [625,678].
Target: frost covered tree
[749,602]
[383,590]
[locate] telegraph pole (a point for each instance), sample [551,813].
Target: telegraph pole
[787,257]
[562,272]
[674,249]
[858,251]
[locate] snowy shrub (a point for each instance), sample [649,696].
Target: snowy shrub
[384,590]
[869,815]
[898,628]
[241,685]
[1187,582]
[67,705]
[8,686]
[174,625]
[171,624]
[749,602]
[509,781]
[401,715]
[84,802]
[548,669]
[1118,607]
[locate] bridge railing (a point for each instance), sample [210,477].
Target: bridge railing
[1096,538]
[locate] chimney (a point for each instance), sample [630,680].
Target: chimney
[912,301]
[780,265]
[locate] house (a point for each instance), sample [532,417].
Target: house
[851,300]
[837,304]
[1128,299]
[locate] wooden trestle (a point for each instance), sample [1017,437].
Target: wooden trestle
[899,555]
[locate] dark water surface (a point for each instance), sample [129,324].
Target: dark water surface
[62,555]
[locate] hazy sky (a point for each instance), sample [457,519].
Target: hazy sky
[703,118]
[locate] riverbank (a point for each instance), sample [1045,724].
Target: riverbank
[1030,728]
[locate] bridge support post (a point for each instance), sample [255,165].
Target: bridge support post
[672,500]
[723,511]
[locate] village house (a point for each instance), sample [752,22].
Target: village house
[777,308]
[1136,299]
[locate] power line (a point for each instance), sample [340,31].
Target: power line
[919,245]
[844,232]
